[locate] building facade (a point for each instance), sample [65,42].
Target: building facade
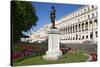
[79,26]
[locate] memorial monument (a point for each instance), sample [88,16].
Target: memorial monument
[53,52]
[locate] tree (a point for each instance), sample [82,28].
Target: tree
[23,17]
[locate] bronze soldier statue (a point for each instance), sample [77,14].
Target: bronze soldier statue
[53,16]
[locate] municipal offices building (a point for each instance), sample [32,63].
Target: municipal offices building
[79,26]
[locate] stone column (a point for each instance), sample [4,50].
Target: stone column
[93,30]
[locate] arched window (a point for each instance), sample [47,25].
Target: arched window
[86,25]
[96,33]
[92,6]
[82,26]
[69,30]
[90,22]
[95,21]
[73,29]
[86,36]
[82,37]
[76,36]
[79,27]
[76,28]
[66,30]
[91,35]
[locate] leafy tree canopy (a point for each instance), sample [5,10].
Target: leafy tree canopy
[23,17]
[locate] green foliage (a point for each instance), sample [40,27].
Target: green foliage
[23,58]
[16,48]
[67,58]
[23,16]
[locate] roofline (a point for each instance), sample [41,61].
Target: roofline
[72,12]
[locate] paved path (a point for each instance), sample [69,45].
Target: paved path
[90,57]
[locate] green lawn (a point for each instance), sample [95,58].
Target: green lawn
[67,58]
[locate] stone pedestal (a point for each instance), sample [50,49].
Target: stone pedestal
[53,52]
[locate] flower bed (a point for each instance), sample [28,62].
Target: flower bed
[26,49]
[94,56]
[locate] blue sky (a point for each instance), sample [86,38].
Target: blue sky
[43,13]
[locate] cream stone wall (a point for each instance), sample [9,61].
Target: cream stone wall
[78,26]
